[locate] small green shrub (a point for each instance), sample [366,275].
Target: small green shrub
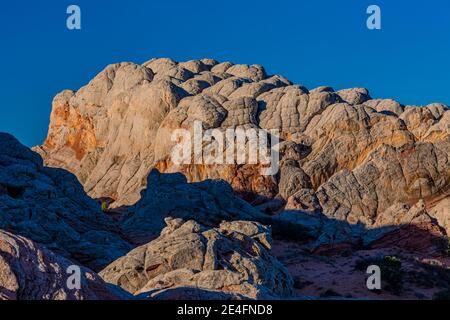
[442,295]
[329,293]
[391,271]
[443,245]
[104,206]
[392,261]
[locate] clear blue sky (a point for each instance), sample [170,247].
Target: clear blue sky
[311,42]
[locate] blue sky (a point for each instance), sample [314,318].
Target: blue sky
[311,42]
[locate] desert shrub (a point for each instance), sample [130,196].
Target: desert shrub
[442,295]
[431,276]
[393,261]
[299,283]
[329,293]
[443,245]
[392,274]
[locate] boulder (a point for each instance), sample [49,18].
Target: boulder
[29,271]
[356,155]
[49,206]
[170,195]
[233,258]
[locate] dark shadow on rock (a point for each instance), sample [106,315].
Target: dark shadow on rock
[212,201]
[49,206]
[67,221]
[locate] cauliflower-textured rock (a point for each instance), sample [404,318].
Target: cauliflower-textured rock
[170,195]
[355,95]
[388,176]
[49,206]
[115,130]
[31,272]
[233,258]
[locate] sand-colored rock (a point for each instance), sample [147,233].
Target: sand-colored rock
[233,258]
[358,155]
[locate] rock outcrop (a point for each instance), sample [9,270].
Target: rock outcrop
[343,154]
[355,174]
[234,258]
[170,195]
[31,272]
[49,206]
[49,224]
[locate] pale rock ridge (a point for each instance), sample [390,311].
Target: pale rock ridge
[113,131]
[233,258]
[124,105]
[388,176]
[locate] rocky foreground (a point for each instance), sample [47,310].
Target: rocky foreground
[362,181]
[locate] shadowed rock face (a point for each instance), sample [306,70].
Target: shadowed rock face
[170,195]
[233,258]
[31,272]
[355,173]
[49,206]
[343,153]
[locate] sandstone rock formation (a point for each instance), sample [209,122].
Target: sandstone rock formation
[343,154]
[31,272]
[234,258]
[170,195]
[355,174]
[50,207]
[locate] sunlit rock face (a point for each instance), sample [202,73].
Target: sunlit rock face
[356,175]
[345,154]
[233,258]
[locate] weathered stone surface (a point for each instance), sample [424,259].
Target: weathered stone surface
[387,106]
[304,200]
[418,120]
[49,206]
[233,258]
[354,172]
[401,214]
[344,135]
[388,176]
[356,155]
[105,132]
[439,209]
[292,179]
[31,272]
[354,95]
[170,195]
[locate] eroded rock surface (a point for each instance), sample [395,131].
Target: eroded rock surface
[31,272]
[49,206]
[355,174]
[170,195]
[234,258]
[343,154]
